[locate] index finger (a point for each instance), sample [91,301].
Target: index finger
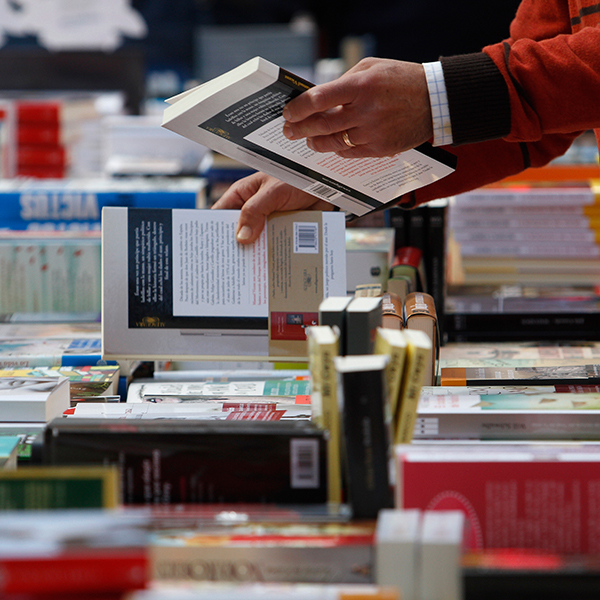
[317,99]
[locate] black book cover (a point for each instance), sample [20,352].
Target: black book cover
[195,461]
[366,434]
[506,327]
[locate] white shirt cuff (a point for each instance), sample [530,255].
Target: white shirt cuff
[442,127]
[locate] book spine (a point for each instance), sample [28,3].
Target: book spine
[418,357]
[435,261]
[324,405]
[348,563]
[463,327]
[530,197]
[531,249]
[366,441]
[112,570]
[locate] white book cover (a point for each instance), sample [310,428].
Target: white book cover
[244,409]
[38,399]
[177,285]
[442,534]
[397,548]
[188,391]
[239,114]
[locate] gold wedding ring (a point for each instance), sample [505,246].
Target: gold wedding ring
[347,140]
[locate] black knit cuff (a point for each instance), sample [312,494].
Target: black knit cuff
[478,98]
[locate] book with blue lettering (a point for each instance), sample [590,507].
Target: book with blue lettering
[177,285]
[34,352]
[76,204]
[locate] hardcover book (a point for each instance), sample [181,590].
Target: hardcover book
[198,461]
[239,114]
[189,291]
[420,314]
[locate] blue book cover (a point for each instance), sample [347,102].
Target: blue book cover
[77,205]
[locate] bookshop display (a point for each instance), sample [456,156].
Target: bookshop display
[408,410]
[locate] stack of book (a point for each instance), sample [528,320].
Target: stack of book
[56,134]
[526,264]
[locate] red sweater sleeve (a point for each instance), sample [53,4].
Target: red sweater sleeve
[521,102]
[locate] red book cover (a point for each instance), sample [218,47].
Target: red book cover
[52,156]
[42,135]
[91,571]
[541,503]
[42,172]
[408,255]
[46,111]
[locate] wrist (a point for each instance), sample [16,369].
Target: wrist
[440,112]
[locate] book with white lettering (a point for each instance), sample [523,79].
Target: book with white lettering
[239,114]
[177,285]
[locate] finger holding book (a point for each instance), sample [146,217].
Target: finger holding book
[259,195]
[382,106]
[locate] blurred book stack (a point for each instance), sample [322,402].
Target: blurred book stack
[524,264]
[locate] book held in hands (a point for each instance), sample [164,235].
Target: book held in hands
[178,285]
[239,114]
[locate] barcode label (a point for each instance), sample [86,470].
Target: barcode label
[306,238]
[322,191]
[304,463]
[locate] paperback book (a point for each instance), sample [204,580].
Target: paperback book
[265,552]
[239,114]
[551,375]
[516,416]
[189,291]
[198,461]
[37,399]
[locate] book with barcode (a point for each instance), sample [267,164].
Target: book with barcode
[172,461]
[239,114]
[178,286]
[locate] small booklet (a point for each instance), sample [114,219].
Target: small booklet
[239,114]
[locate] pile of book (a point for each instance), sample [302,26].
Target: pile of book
[525,264]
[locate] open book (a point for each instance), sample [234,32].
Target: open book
[239,114]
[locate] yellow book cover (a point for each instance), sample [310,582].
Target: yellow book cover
[418,355]
[323,346]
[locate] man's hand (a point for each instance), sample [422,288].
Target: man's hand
[259,195]
[382,105]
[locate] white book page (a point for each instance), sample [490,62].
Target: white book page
[382,178]
[214,275]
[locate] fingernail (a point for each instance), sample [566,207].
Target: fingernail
[287,131]
[244,233]
[285,113]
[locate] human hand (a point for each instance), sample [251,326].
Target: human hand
[258,195]
[382,104]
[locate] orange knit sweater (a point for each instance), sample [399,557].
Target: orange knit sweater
[522,102]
